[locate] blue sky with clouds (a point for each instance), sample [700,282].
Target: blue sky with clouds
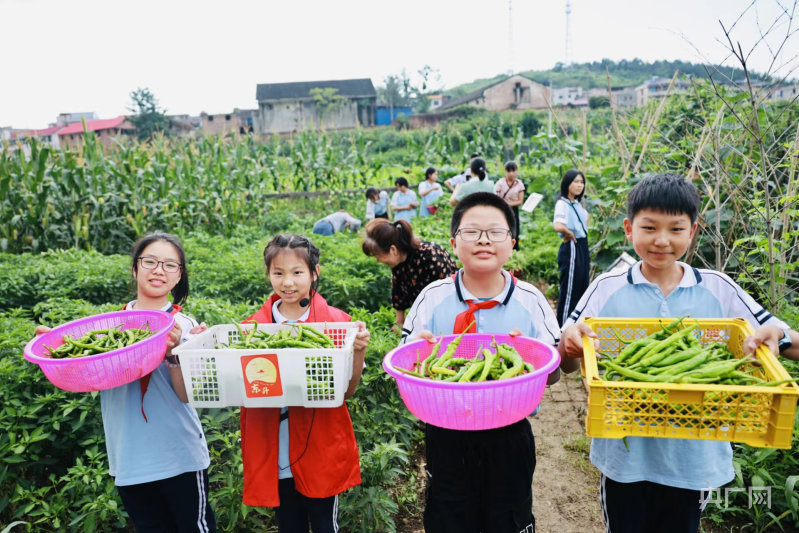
[197,55]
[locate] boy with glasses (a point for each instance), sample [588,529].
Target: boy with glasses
[481,481]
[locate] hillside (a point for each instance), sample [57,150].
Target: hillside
[590,75]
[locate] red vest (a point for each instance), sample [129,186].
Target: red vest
[322,450]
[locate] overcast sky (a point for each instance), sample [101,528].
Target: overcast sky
[197,55]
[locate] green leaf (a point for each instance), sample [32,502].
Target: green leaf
[615,237]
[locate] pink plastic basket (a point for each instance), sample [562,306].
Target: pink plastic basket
[107,370]
[473,406]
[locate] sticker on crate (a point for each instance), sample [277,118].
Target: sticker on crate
[261,376]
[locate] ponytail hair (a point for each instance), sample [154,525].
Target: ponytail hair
[382,234]
[298,244]
[478,168]
[180,291]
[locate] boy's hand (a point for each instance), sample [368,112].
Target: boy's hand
[571,342]
[768,335]
[515,332]
[173,339]
[40,329]
[362,337]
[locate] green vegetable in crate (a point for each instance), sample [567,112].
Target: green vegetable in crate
[675,355]
[503,363]
[99,341]
[306,337]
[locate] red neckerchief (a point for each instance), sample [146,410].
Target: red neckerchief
[144,382]
[464,319]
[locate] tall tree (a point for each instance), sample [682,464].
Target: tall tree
[148,117]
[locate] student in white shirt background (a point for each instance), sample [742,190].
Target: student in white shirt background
[463,177]
[430,191]
[377,204]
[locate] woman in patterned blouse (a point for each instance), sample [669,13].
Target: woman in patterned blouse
[414,263]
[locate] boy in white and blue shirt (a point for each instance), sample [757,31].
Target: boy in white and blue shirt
[481,481]
[658,485]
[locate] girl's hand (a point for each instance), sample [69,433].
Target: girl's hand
[768,335]
[173,339]
[196,330]
[427,335]
[515,332]
[39,330]
[362,337]
[571,342]
[569,236]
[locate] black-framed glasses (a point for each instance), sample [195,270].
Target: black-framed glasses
[474,234]
[151,263]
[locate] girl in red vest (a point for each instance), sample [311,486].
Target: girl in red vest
[298,460]
[157,452]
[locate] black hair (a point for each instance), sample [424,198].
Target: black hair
[488,199]
[429,172]
[371,191]
[478,168]
[665,193]
[300,245]
[567,180]
[180,291]
[381,235]
[510,166]
[474,156]
[401,182]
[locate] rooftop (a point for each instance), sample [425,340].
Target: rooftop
[97,125]
[302,89]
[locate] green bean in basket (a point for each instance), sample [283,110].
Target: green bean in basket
[503,363]
[306,337]
[99,341]
[675,355]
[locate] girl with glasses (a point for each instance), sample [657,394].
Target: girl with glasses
[157,452]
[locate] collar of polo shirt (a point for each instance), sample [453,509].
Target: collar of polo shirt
[690,275]
[503,297]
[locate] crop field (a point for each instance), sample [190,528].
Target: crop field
[68,220]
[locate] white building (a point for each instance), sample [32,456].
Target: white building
[568,95]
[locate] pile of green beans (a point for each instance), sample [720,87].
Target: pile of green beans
[306,337]
[675,355]
[99,341]
[505,362]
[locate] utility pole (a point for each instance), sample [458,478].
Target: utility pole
[510,37]
[568,60]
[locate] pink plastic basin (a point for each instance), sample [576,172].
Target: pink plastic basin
[473,406]
[107,370]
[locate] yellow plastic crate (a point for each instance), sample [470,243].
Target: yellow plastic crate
[758,416]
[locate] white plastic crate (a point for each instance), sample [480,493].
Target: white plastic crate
[285,377]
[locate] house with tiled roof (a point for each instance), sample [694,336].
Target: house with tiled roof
[48,136]
[512,92]
[291,107]
[105,131]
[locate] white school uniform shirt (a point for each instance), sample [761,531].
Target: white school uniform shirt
[682,463]
[573,215]
[379,208]
[169,443]
[521,306]
[400,199]
[283,462]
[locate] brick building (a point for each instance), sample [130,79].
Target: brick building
[513,92]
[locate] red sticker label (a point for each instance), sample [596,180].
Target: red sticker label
[261,376]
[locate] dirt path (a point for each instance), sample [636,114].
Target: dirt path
[566,484]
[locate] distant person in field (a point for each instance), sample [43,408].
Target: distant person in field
[377,204]
[463,177]
[414,264]
[430,191]
[336,222]
[511,189]
[404,202]
[479,183]
[574,259]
